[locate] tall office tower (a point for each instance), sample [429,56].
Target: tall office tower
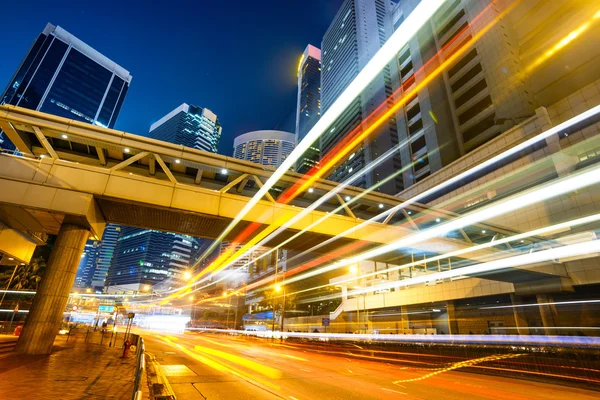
[493,83]
[264,147]
[87,265]
[308,108]
[105,255]
[147,257]
[62,75]
[190,126]
[357,32]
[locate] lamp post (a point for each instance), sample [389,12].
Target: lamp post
[278,289]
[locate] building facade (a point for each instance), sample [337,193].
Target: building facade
[147,257]
[189,126]
[105,254]
[266,147]
[64,76]
[357,32]
[308,108]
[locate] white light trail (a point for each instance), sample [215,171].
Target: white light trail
[541,231]
[525,259]
[568,184]
[554,303]
[421,14]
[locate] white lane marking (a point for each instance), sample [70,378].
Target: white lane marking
[293,398]
[395,391]
[304,369]
[350,370]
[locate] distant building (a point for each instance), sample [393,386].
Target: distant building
[266,147]
[308,108]
[105,255]
[189,126]
[147,257]
[87,265]
[270,148]
[62,75]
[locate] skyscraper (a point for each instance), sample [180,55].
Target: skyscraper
[62,75]
[147,257]
[492,84]
[308,108]
[357,32]
[87,265]
[105,255]
[190,126]
[264,147]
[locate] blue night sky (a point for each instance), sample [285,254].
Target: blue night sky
[238,58]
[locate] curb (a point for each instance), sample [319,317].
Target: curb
[157,381]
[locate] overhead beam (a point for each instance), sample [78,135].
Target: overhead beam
[101,155]
[260,185]
[44,141]
[410,220]
[198,177]
[242,185]
[165,169]
[346,208]
[129,161]
[15,137]
[231,184]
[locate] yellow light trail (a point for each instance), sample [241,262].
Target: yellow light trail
[570,37]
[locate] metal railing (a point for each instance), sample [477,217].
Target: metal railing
[140,367]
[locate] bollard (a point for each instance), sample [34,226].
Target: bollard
[126,347]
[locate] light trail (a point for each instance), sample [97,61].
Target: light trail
[554,303]
[516,261]
[421,14]
[573,182]
[570,37]
[288,195]
[535,232]
[512,340]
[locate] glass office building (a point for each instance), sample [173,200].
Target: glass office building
[147,257]
[308,108]
[62,75]
[189,126]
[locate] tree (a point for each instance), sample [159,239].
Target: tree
[27,277]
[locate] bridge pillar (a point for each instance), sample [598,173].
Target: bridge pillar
[44,318]
[548,313]
[452,321]
[519,314]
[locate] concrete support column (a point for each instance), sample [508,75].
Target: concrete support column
[548,313]
[45,316]
[452,321]
[404,320]
[519,314]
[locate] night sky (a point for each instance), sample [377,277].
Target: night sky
[238,58]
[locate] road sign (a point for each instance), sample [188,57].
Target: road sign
[131,315]
[325,321]
[106,309]
[75,308]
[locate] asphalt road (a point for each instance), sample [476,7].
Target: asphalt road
[207,366]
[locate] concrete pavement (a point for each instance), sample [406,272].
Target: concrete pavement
[206,366]
[75,370]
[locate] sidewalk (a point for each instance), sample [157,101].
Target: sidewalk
[74,370]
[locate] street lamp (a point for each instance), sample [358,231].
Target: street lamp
[187,275]
[279,288]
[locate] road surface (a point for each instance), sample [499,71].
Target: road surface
[210,366]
